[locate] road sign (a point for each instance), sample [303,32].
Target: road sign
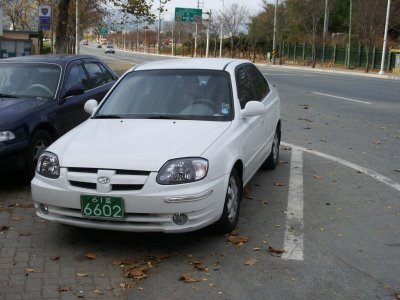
[44,17]
[188,14]
[103,31]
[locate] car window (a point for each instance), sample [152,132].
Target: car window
[182,94]
[107,74]
[258,82]
[76,77]
[244,89]
[96,76]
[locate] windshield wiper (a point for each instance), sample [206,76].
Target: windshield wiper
[162,117]
[7,96]
[107,117]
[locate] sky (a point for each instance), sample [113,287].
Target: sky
[253,6]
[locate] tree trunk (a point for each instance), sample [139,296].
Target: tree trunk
[231,46]
[367,59]
[61,27]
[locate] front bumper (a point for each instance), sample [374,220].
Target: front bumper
[150,209]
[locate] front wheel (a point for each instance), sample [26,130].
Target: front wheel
[40,140]
[230,214]
[272,160]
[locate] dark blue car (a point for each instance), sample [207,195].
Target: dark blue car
[41,98]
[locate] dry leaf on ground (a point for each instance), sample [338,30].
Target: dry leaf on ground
[137,273]
[4,228]
[376,142]
[318,177]
[238,239]
[247,189]
[29,270]
[53,258]
[199,266]
[186,277]
[17,218]
[250,262]
[25,233]
[91,255]
[278,183]
[276,251]
[287,148]
[81,274]
[65,288]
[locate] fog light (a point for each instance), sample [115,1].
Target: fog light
[44,208]
[180,219]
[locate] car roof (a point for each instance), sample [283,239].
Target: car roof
[48,58]
[191,63]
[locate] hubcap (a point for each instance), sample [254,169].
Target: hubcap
[232,199]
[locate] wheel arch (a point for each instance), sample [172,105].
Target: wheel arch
[46,127]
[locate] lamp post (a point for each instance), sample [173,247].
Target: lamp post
[274,37]
[208,32]
[160,9]
[350,25]
[381,72]
[325,30]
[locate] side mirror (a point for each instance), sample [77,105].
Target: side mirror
[90,106]
[73,91]
[253,108]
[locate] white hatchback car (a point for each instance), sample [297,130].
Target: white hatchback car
[169,149]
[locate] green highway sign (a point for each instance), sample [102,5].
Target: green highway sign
[103,31]
[188,14]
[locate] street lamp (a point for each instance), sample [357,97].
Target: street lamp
[208,32]
[160,8]
[274,37]
[381,72]
[350,25]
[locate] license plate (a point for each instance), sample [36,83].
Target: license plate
[102,207]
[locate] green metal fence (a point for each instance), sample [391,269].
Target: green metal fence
[337,55]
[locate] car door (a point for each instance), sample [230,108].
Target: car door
[263,94]
[252,128]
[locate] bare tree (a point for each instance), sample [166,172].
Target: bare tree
[369,22]
[20,13]
[232,17]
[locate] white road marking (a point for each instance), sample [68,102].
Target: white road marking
[342,98]
[293,240]
[381,178]
[290,74]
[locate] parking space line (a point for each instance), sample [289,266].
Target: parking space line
[293,240]
[386,180]
[342,98]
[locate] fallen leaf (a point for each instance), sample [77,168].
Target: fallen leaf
[318,177]
[376,142]
[263,202]
[286,148]
[24,205]
[256,249]
[126,285]
[98,292]
[29,270]
[247,189]
[308,127]
[17,218]
[187,278]
[81,274]
[4,228]
[282,162]
[238,239]
[211,285]
[306,119]
[216,265]
[278,183]
[25,233]
[136,273]
[199,266]
[249,197]
[250,262]
[53,258]
[91,255]
[65,288]
[276,251]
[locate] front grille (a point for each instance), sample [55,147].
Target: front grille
[121,180]
[84,185]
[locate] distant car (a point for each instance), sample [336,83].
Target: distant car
[110,49]
[86,43]
[99,46]
[169,149]
[41,98]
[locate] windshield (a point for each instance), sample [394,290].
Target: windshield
[171,94]
[33,80]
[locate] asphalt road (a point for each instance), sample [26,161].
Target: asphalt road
[333,203]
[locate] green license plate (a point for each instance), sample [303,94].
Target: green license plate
[102,207]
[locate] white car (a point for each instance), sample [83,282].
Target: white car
[110,49]
[168,149]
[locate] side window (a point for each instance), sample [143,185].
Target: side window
[258,81]
[95,74]
[76,77]
[245,93]
[108,76]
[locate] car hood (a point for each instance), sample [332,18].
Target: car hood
[135,144]
[12,108]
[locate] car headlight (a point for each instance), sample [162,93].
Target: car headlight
[48,165]
[183,170]
[6,136]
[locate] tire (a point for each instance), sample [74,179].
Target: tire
[272,160]
[40,140]
[233,197]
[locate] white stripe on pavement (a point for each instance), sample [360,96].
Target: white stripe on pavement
[293,240]
[342,98]
[386,180]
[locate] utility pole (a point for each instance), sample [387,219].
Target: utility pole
[160,9]
[274,37]
[195,35]
[220,41]
[77,26]
[325,29]
[208,32]
[350,25]
[381,72]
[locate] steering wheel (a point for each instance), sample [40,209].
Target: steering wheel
[206,102]
[42,88]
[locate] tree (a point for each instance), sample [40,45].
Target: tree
[19,12]
[232,18]
[369,20]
